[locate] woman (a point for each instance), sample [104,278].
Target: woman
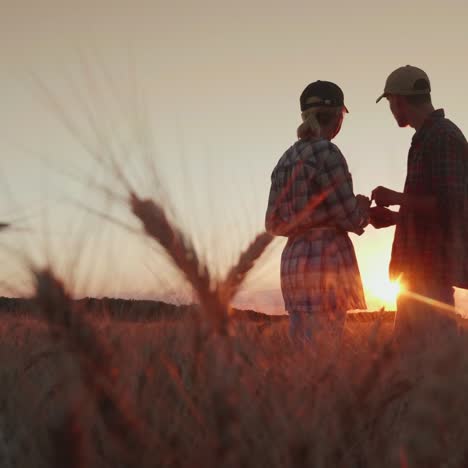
[313,204]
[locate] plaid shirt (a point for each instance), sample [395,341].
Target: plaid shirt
[430,247]
[311,186]
[312,203]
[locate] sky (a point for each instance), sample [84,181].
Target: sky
[197,101]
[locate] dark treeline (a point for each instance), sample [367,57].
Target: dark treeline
[147,310]
[127,309]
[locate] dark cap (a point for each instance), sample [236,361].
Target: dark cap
[323,94]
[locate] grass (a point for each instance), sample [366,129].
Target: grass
[248,400]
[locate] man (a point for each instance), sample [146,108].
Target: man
[430,246]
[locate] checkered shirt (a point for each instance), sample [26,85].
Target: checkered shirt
[313,204]
[432,248]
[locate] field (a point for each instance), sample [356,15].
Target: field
[209,386]
[106,392]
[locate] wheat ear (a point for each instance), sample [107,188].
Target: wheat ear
[246,262]
[183,254]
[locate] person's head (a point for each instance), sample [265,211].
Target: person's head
[322,110]
[408,91]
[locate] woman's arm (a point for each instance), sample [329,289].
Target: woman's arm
[273,223]
[292,204]
[346,211]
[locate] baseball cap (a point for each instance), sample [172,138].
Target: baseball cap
[406,81]
[323,94]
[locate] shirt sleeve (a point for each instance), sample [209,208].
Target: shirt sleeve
[294,197]
[337,186]
[272,220]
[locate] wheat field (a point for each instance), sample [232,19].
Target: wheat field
[78,390]
[165,394]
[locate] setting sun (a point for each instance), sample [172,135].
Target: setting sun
[374,259]
[384,290]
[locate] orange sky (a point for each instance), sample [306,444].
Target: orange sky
[218,84]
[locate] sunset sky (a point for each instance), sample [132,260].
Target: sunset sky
[210,90]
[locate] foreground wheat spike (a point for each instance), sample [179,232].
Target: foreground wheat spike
[215,299]
[95,359]
[184,256]
[246,262]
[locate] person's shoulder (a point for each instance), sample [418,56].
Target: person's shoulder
[445,128]
[334,156]
[456,132]
[288,158]
[325,153]
[303,150]
[316,153]
[314,148]
[334,149]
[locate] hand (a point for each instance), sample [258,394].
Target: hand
[386,197]
[381,217]
[364,202]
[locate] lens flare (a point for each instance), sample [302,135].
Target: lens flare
[385,291]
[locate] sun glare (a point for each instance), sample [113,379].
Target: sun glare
[384,291]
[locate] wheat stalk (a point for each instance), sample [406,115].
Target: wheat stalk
[237,274]
[95,359]
[181,251]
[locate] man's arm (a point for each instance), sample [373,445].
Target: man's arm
[381,217]
[423,204]
[448,158]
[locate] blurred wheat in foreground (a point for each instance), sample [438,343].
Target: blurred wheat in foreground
[211,391]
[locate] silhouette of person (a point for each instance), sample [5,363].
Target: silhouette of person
[430,243]
[312,203]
